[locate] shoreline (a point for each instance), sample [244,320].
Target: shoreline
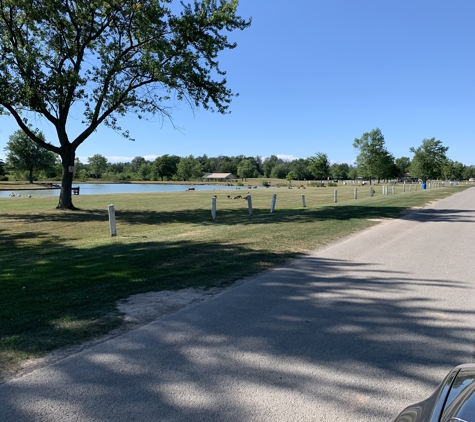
[6,186]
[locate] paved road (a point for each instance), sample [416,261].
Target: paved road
[354,332]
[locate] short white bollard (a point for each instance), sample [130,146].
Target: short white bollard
[356,193]
[112,220]
[249,204]
[404,187]
[370,191]
[410,188]
[304,204]
[394,189]
[335,196]
[213,207]
[272,205]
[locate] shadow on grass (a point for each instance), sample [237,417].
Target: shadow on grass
[54,295]
[241,216]
[302,334]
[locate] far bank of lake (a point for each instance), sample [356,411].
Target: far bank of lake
[114,188]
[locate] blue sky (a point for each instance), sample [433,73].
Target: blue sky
[313,75]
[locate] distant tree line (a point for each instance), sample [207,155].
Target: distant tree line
[25,160]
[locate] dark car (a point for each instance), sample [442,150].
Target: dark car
[453,401]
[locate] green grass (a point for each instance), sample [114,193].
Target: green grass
[61,273]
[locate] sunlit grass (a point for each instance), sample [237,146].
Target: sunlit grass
[61,273]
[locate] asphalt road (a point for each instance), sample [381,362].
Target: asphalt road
[354,332]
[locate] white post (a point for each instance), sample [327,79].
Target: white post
[304,204]
[382,190]
[356,193]
[410,188]
[272,205]
[213,207]
[404,187]
[335,196]
[249,204]
[371,191]
[112,220]
[415,187]
[394,189]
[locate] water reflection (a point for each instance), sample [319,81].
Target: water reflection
[112,188]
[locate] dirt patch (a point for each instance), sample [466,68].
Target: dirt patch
[137,310]
[146,307]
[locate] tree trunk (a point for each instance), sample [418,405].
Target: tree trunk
[31,174]
[65,196]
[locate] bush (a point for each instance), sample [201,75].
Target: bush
[332,185]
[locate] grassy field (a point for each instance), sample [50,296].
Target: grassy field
[61,273]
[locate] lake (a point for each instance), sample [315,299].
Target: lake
[112,188]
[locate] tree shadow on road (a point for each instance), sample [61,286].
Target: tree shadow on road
[300,334]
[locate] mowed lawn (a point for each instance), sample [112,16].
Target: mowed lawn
[61,273]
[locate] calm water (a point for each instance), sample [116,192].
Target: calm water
[111,188]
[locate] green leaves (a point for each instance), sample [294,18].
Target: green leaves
[320,166]
[112,57]
[429,159]
[374,160]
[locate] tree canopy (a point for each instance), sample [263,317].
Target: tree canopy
[106,58]
[24,155]
[429,159]
[320,166]
[2,168]
[97,165]
[373,161]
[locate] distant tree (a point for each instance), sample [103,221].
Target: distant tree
[339,171]
[402,166]
[428,160]
[105,59]
[136,163]
[280,170]
[145,171]
[352,173]
[259,162]
[300,169]
[320,166]
[269,163]
[373,161]
[165,166]
[97,165]
[246,168]
[24,155]
[469,172]
[2,168]
[189,168]
[290,176]
[458,170]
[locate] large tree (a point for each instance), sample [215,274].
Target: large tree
[402,165]
[429,159]
[24,155]
[246,168]
[373,161]
[97,165]
[320,166]
[165,166]
[107,58]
